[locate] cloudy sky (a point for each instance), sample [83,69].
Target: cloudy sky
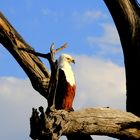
[93,40]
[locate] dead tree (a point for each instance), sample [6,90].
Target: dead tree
[100,121]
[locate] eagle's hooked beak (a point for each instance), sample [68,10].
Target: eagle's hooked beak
[73,61]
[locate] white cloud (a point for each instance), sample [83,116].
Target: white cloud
[99,83]
[88,17]
[109,37]
[108,42]
[93,15]
[17,98]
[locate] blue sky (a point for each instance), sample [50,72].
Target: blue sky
[92,38]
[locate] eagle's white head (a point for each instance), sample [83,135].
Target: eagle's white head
[64,62]
[66,58]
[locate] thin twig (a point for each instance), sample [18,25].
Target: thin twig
[61,48]
[54,51]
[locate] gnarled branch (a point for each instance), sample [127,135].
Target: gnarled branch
[93,121]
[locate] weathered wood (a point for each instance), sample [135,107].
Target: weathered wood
[101,121]
[93,121]
[126,15]
[31,64]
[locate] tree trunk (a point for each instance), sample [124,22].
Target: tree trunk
[126,17]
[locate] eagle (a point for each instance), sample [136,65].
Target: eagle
[66,86]
[65,90]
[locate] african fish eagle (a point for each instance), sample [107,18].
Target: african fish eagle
[66,87]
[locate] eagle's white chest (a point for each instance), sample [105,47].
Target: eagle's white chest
[66,67]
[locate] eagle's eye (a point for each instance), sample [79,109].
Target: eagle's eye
[68,59]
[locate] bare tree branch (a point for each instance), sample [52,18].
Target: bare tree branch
[31,64]
[61,48]
[93,121]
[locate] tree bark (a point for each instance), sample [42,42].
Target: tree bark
[31,64]
[126,15]
[92,121]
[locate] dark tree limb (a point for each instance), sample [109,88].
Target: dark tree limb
[94,121]
[31,64]
[126,15]
[50,56]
